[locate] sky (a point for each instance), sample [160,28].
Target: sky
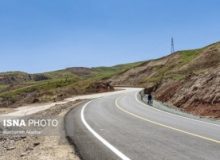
[45,35]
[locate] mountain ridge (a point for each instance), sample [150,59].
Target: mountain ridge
[187,79]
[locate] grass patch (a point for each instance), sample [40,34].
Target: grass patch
[3,86]
[189,55]
[108,72]
[40,86]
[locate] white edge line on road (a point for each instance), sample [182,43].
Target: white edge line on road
[142,103]
[106,143]
[163,125]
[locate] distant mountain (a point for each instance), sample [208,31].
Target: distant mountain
[189,79]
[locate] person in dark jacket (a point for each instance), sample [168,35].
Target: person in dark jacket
[149,99]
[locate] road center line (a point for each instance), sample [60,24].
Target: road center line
[163,125]
[105,142]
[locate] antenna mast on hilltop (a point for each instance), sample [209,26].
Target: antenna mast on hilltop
[172,46]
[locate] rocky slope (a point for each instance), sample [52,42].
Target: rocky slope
[189,80]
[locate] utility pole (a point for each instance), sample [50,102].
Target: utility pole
[172,46]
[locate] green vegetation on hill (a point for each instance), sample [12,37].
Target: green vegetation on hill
[27,88]
[3,86]
[108,72]
[17,88]
[187,56]
[171,69]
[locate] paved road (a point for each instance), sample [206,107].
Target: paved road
[122,127]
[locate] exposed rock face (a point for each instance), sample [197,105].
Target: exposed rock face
[199,94]
[189,80]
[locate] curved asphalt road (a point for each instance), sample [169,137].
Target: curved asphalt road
[122,127]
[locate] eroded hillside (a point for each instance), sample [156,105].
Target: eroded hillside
[189,79]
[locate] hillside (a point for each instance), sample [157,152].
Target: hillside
[19,88]
[189,80]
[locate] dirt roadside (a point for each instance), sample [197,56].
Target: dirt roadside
[40,147]
[45,147]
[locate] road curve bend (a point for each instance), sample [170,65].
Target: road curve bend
[120,126]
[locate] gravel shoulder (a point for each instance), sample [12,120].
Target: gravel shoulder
[40,147]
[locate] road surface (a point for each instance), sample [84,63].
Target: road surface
[120,126]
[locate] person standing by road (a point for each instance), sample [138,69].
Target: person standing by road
[149,99]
